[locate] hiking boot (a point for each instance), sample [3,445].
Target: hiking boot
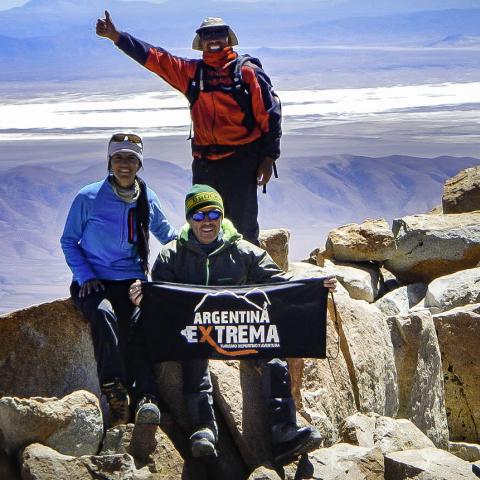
[147,412]
[202,443]
[117,399]
[291,441]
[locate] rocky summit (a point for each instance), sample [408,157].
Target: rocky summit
[397,396]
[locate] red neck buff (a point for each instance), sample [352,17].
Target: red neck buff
[219,59]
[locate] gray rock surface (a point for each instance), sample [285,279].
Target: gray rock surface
[461,193]
[46,351]
[470,452]
[72,425]
[426,464]
[368,351]
[275,242]
[367,241]
[454,290]
[340,462]
[458,333]
[430,246]
[402,299]
[420,374]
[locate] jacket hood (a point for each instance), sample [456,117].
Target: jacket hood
[230,233]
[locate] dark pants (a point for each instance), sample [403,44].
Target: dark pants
[197,388]
[118,344]
[235,178]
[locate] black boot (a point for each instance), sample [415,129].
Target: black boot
[290,441]
[147,412]
[203,443]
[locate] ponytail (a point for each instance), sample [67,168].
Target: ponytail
[143,225]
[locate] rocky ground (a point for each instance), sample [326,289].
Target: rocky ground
[398,396]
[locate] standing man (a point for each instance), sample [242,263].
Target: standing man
[235,113]
[209,251]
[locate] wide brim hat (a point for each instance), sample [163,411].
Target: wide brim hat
[214,22]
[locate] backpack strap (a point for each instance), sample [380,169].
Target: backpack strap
[196,84]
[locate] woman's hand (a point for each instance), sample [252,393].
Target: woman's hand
[135,292]
[89,287]
[330,283]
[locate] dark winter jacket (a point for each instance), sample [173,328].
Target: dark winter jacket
[234,262]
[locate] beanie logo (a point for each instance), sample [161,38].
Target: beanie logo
[202,197]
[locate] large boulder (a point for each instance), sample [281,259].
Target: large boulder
[388,434]
[367,347]
[371,240]
[420,374]
[402,299]
[361,280]
[40,462]
[275,242]
[430,246]
[341,461]
[46,351]
[458,333]
[426,464]
[325,393]
[454,290]
[470,452]
[461,193]
[72,425]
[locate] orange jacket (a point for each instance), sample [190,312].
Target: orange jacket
[216,116]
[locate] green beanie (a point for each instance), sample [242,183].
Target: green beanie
[201,196]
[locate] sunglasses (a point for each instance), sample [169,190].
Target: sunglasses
[211,214]
[124,137]
[213,33]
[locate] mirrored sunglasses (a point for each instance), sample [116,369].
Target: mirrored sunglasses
[211,214]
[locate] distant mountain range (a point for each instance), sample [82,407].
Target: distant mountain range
[312,196]
[47,39]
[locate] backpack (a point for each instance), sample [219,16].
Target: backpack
[239,89]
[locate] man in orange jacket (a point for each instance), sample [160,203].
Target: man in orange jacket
[236,116]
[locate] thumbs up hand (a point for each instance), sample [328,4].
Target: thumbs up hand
[106,28]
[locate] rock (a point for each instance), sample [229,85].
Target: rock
[470,452]
[430,246]
[326,394]
[386,433]
[358,429]
[368,351]
[43,463]
[72,425]
[454,290]
[306,270]
[264,473]
[426,464]
[275,242]
[461,193]
[371,240]
[362,281]
[420,374]
[393,435]
[46,351]
[458,333]
[341,461]
[402,299]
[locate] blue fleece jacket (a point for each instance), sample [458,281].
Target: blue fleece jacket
[100,234]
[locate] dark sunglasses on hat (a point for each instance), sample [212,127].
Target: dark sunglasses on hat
[124,137]
[211,214]
[213,33]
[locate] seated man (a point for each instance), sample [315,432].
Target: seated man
[209,251]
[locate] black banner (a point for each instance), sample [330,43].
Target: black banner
[256,321]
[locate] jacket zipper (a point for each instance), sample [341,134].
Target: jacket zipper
[207,266]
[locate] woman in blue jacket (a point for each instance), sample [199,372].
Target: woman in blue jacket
[106,245]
